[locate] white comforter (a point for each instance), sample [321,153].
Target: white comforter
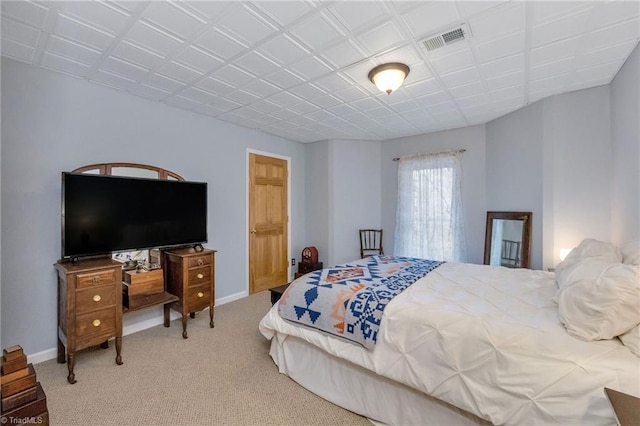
[488,340]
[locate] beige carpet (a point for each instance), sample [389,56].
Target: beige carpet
[219,376]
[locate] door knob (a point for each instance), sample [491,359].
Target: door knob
[253,231]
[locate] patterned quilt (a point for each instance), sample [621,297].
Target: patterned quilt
[348,300]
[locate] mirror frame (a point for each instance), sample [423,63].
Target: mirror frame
[525,217]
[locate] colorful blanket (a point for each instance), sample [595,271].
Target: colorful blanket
[348,300]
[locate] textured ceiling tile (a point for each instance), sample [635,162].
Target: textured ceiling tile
[310,68]
[256,63]
[261,88]
[554,51]
[343,54]
[67,66]
[381,38]
[567,26]
[180,72]
[152,38]
[96,14]
[19,32]
[215,86]
[242,23]
[171,18]
[137,55]
[504,46]
[284,12]
[81,33]
[16,50]
[26,12]
[316,31]
[220,44]
[498,22]
[431,17]
[283,50]
[313,57]
[198,59]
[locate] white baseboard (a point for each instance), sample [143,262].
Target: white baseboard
[52,353]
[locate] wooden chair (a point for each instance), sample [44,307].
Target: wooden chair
[370,242]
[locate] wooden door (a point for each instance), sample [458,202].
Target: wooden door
[268,223]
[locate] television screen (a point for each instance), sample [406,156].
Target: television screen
[103,214]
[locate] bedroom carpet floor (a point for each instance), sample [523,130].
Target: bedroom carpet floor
[219,376]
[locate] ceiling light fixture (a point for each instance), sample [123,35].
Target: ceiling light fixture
[388,77]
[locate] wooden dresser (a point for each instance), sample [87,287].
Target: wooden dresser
[89,307]
[190,275]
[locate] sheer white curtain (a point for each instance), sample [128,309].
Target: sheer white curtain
[429,221]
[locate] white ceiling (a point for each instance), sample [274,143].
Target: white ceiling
[298,69]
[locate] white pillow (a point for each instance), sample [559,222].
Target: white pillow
[631,253]
[603,305]
[631,339]
[598,254]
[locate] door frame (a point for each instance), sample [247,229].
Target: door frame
[247,201]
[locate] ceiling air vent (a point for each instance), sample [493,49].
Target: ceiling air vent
[445,39]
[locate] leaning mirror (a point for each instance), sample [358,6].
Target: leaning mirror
[508,239]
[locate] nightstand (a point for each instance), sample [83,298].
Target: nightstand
[276,292]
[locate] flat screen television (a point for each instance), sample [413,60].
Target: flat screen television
[106,214]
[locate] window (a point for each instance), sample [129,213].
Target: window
[429,220]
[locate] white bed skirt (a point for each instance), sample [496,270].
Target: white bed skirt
[381,400]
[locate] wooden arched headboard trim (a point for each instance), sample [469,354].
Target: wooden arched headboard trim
[105,169]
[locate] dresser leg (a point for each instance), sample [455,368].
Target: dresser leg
[167,316]
[211,316]
[71,362]
[184,326]
[62,356]
[118,350]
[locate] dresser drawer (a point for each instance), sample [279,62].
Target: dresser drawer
[98,278]
[199,276]
[196,261]
[91,299]
[98,322]
[198,297]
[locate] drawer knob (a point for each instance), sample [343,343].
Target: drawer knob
[96,298]
[96,280]
[200,294]
[200,276]
[200,262]
[96,323]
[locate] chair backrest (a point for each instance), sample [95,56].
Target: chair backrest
[370,242]
[510,253]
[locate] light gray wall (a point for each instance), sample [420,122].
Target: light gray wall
[473,181]
[625,140]
[354,195]
[514,169]
[577,128]
[553,158]
[53,123]
[317,210]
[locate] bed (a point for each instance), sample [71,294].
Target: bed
[463,344]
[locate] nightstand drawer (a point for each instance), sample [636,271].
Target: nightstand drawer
[198,297]
[196,261]
[92,299]
[98,278]
[98,322]
[199,276]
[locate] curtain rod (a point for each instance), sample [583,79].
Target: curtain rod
[434,153]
